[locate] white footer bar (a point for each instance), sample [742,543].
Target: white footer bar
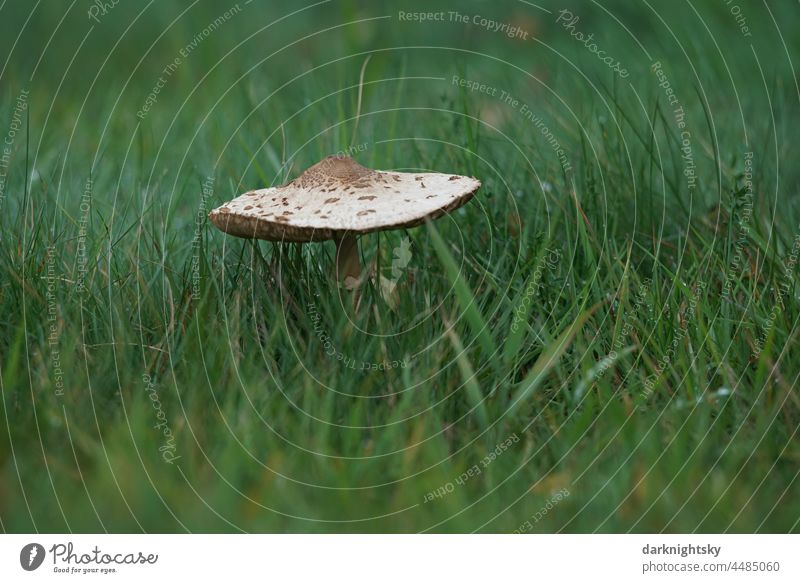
[401,558]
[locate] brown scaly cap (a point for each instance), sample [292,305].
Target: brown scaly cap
[338,196]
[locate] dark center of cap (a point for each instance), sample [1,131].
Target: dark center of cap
[339,168]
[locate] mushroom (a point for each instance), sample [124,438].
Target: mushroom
[339,199]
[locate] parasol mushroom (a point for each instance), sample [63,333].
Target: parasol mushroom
[339,199]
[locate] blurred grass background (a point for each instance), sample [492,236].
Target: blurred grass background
[271,433]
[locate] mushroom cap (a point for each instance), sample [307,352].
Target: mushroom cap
[338,197]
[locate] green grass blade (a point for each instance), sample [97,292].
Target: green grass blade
[466,298]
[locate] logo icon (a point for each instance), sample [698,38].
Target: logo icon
[31,556]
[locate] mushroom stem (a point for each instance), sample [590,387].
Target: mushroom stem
[348,264]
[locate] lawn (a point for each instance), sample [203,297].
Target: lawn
[603,340]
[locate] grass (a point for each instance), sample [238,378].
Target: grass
[619,331]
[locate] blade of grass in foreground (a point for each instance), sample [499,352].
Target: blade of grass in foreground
[548,359]
[473,390]
[466,298]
